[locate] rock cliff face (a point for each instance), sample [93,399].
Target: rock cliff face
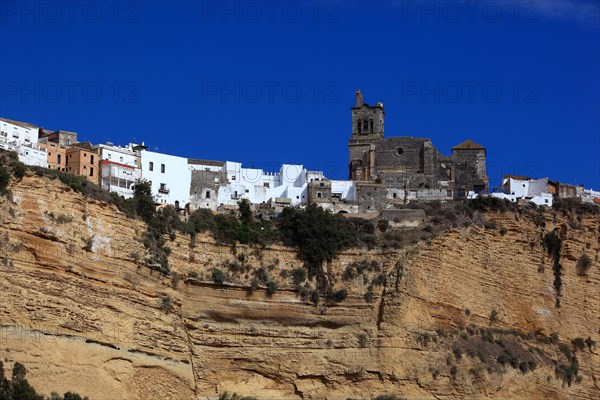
[79,312]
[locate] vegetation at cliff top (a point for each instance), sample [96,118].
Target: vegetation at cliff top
[10,166]
[18,388]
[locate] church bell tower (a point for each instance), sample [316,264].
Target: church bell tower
[367,129]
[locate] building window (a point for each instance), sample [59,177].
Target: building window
[162,168]
[108,156]
[208,194]
[163,186]
[92,159]
[91,171]
[151,166]
[85,154]
[233,177]
[319,195]
[394,195]
[399,151]
[58,158]
[266,185]
[121,159]
[247,191]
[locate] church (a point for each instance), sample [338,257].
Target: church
[407,168]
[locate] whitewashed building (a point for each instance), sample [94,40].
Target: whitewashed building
[170,177]
[590,196]
[120,168]
[533,190]
[216,184]
[22,138]
[258,186]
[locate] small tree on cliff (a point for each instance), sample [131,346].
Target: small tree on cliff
[143,201]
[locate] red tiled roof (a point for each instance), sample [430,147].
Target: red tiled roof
[106,162]
[468,145]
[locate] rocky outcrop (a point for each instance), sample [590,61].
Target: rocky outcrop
[81,313]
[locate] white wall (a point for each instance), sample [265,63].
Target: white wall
[17,134]
[119,169]
[32,156]
[23,140]
[518,188]
[177,177]
[588,195]
[122,155]
[501,196]
[543,199]
[537,187]
[346,188]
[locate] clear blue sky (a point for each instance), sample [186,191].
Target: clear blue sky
[267,82]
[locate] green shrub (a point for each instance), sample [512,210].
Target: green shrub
[379,280]
[369,295]
[19,388]
[272,288]
[298,275]
[64,219]
[218,276]
[387,397]
[553,244]
[339,295]
[262,275]
[489,225]
[19,170]
[319,235]
[578,343]
[4,179]
[89,243]
[362,340]
[591,344]
[314,297]
[175,278]
[583,265]
[494,316]
[166,304]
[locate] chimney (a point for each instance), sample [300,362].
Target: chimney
[359,100]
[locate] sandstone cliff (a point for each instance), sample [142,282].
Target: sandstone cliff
[82,315]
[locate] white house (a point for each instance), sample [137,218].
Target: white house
[22,138]
[258,186]
[534,190]
[590,196]
[343,190]
[120,168]
[170,177]
[17,132]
